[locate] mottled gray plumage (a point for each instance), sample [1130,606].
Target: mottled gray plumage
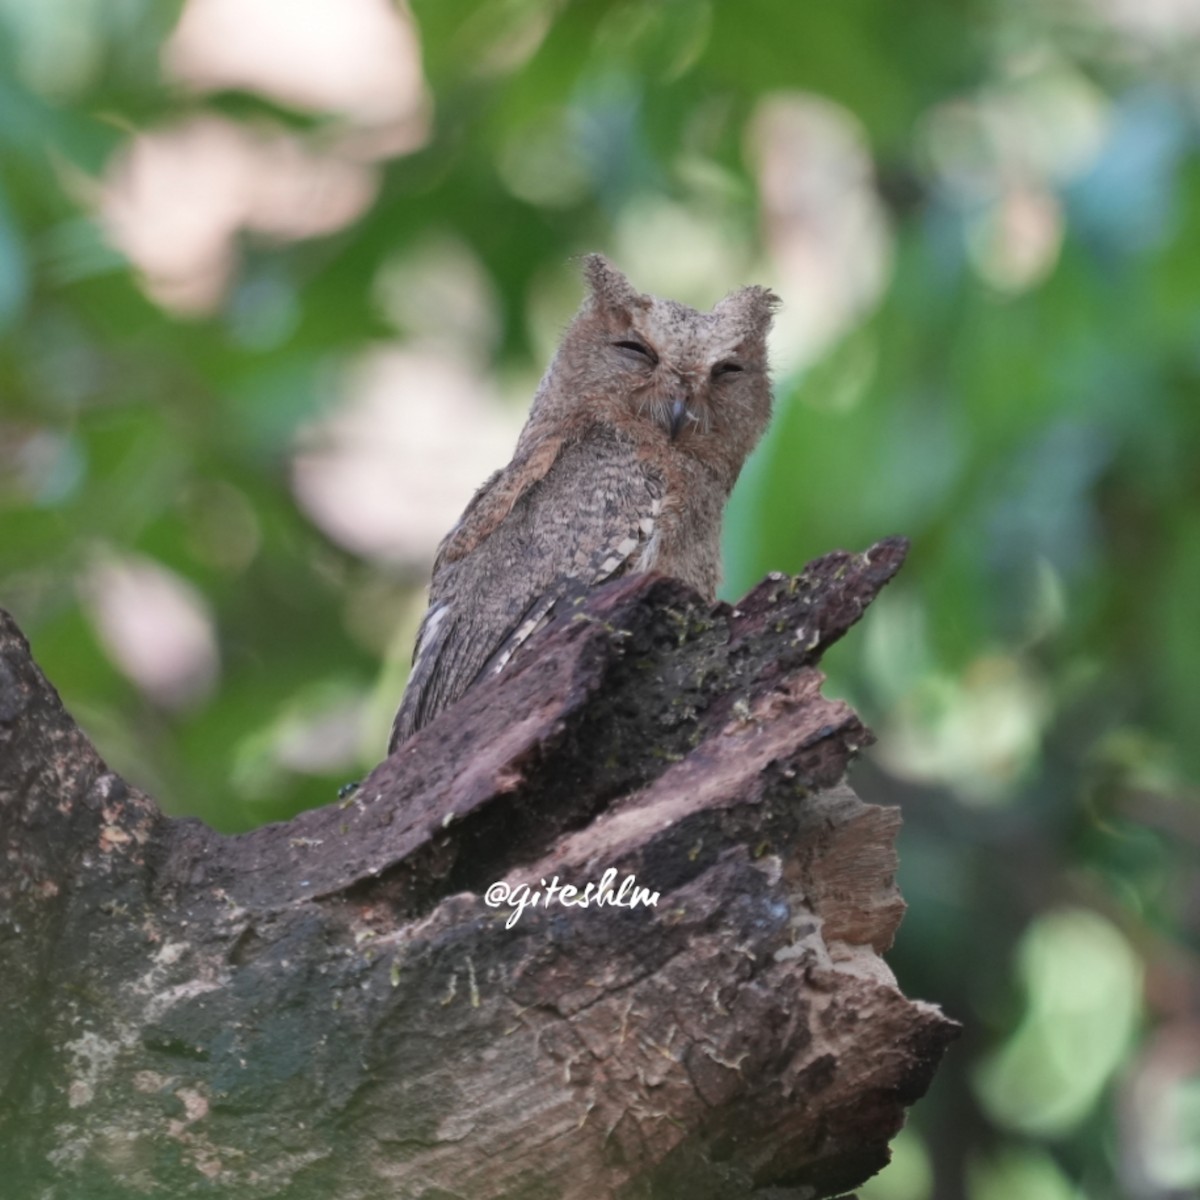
[635,438]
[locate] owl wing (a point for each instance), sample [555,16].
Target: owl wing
[584,520]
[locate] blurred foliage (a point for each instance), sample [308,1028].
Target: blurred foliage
[1022,399]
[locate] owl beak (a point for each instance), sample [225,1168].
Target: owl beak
[679,415]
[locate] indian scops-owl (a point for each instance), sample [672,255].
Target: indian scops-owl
[635,439]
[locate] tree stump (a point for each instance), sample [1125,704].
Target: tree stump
[330,1008]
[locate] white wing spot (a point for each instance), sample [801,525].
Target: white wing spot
[649,555]
[527,629]
[433,619]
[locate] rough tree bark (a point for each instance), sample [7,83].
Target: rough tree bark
[328,1008]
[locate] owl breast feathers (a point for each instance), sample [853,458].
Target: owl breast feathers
[635,439]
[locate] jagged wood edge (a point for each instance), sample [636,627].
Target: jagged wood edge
[243,897]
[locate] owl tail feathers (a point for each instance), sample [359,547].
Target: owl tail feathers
[424,693]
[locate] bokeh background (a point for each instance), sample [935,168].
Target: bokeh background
[278,277]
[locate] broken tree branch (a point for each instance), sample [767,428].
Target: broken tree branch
[329,1008]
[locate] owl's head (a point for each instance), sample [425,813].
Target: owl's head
[699,381]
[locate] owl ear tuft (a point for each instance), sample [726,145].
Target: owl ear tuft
[751,309]
[610,289]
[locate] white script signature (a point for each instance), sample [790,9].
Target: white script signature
[519,896]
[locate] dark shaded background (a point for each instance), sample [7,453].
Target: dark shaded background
[277,281]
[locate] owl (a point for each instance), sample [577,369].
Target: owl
[635,438]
